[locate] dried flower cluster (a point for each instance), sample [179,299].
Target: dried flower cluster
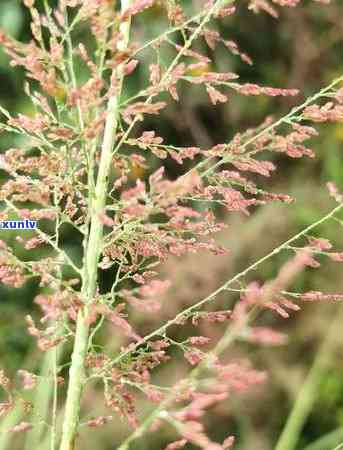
[75,168]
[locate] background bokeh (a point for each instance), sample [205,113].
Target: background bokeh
[302,49]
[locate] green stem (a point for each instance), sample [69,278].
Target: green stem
[76,382]
[328,441]
[97,201]
[308,393]
[42,400]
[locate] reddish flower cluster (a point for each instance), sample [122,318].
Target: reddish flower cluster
[267,5]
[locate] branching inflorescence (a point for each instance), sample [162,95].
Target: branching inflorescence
[74,169]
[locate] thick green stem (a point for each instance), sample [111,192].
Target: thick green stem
[76,382]
[97,201]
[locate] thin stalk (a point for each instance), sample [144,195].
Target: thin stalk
[54,401]
[308,393]
[46,392]
[55,355]
[43,396]
[97,201]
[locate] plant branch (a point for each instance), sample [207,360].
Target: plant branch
[229,336]
[160,331]
[181,53]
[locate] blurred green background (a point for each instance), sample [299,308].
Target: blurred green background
[303,49]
